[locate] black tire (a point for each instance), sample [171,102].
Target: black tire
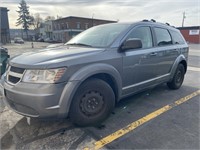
[92,103]
[178,78]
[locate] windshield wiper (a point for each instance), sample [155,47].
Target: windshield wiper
[79,44]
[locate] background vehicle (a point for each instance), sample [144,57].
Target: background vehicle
[18,40]
[50,40]
[40,39]
[87,76]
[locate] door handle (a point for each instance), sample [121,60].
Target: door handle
[153,54]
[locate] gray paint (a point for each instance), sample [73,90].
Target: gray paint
[132,71]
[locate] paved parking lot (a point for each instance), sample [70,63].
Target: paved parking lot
[158,118]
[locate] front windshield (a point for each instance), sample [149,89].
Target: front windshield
[99,36]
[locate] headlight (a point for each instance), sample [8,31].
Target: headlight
[43,76]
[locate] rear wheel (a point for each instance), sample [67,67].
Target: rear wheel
[178,78]
[92,103]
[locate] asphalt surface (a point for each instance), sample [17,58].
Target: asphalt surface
[177,128]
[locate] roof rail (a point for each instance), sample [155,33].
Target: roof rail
[145,20]
[152,20]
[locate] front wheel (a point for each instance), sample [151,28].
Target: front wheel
[92,103]
[178,78]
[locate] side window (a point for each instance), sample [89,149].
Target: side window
[177,38]
[144,34]
[163,37]
[78,25]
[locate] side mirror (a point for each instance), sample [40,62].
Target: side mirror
[132,43]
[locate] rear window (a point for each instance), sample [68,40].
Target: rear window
[177,38]
[163,37]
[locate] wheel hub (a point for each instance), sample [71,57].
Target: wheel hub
[91,103]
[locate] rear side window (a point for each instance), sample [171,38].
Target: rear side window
[177,38]
[144,34]
[163,37]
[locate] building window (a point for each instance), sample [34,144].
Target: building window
[58,27]
[67,25]
[62,26]
[78,25]
[55,27]
[47,27]
[86,26]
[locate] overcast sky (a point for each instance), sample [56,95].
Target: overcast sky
[170,11]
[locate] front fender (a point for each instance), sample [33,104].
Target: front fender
[80,76]
[94,69]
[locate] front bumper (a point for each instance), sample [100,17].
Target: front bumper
[38,100]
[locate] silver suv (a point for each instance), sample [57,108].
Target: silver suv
[87,76]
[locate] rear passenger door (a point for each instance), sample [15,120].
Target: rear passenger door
[165,52]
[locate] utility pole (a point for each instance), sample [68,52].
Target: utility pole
[92,19]
[183,19]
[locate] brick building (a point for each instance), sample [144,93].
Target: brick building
[191,34]
[4,26]
[66,28]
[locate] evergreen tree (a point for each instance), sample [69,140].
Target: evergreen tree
[25,19]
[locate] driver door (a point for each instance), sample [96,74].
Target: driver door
[138,64]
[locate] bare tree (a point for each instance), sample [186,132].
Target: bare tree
[58,17]
[49,18]
[37,21]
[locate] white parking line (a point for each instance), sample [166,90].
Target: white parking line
[193,68]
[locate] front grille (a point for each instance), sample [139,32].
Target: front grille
[14,74]
[17,70]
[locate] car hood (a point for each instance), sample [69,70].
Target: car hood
[48,56]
